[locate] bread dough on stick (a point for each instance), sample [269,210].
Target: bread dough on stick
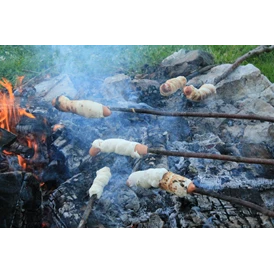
[86,108]
[162,178]
[172,85]
[146,178]
[102,178]
[200,94]
[119,146]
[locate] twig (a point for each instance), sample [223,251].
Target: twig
[234,200]
[26,70]
[200,71]
[87,211]
[195,114]
[256,51]
[37,76]
[212,156]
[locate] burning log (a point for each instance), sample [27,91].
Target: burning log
[197,95]
[102,178]
[162,178]
[18,149]
[119,146]
[6,137]
[172,85]
[9,144]
[86,108]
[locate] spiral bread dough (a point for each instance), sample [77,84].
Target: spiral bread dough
[172,85]
[119,146]
[86,108]
[101,180]
[200,94]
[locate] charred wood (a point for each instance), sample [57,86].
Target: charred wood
[238,201]
[18,149]
[20,200]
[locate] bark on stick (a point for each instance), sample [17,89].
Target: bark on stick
[220,157]
[195,114]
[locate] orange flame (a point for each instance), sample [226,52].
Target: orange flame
[11,112]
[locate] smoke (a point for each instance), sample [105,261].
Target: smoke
[97,60]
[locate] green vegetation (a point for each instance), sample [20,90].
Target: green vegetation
[100,61]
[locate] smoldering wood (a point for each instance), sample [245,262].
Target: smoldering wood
[207,211]
[20,200]
[234,200]
[32,126]
[8,142]
[4,164]
[18,149]
[194,210]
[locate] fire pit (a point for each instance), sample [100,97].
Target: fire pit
[47,169]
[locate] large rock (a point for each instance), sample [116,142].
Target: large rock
[185,62]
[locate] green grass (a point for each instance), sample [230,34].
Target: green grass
[101,61]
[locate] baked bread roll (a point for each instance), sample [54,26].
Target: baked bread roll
[172,85]
[200,94]
[176,184]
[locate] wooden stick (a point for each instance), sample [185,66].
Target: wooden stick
[101,180]
[256,51]
[221,157]
[87,211]
[234,200]
[37,76]
[195,114]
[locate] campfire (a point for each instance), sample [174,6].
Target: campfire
[135,154]
[18,120]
